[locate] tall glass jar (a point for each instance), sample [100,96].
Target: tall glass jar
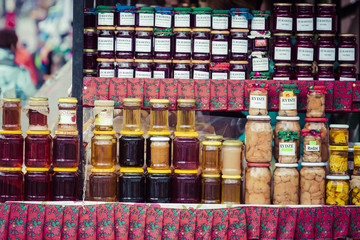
[304,18]
[158,186]
[238,70]
[182,18]
[258,99]
[106,42]
[106,67]
[182,43]
[131,185]
[131,115]
[239,44]
[163,44]
[260,21]
[125,68]
[347,72]
[164,17]
[286,184]
[311,145]
[105,16]
[143,68]
[125,16]
[38,149]
[326,18]
[211,157]
[201,43]
[304,48]
[325,72]
[162,68]
[312,183]
[337,190]
[11,148]
[347,49]
[282,17]
[185,115]
[103,149]
[304,72]
[220,46]
[37,184]
[326,49]
[288,100]
[104,115]
[287,125]
[185,187]
[258,183]
[315,107]
[240,18]
[232,157]
[159,111]
[200,69]
[90,38]
[11,118]
[338,162]
[211,188]
[11,184]
[186,150]
[124,43]
[282,71]
[67,114]
[182,69]
[201,18]
[231,189]
[320,124]
[144,17]
[65,184]
[143,42]
[103,185]
[37,111]
[282,48]
[220,20]
[339,134]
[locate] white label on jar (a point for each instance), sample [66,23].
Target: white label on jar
[327,54]
[125,73]
[162,20]
[200,75]
[234,75]
[282,53]
[203,20]
[305,24]
[288,103]
[305,79]
[312,148]
[142,45]
[347,54]
[183,45]
[142,74]
[182,20]
[305,54]
[106,19]
[105,118]
[127,19]
[181,74]
[107,73]
[258,102]
[220,23]
[162,45]
[239,46]
[219,48]
[105,44]
[326,79]
[287,149]
[258,23]
[123,44]
[284,23]
[159,74]
[260,64]
[281,78]
[216,75]
[323,24]
[146,19]
[201,46]
[239,21]
[347,79]
[67,117]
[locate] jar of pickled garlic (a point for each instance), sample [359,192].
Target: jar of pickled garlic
[337,190]
[312,183]
[339,134]
[232,157]
[258,183]
[231,189]
[258,100]
[37,111]
[357,158]
[211,188]
[286,147]
[320,124]
[104,115]
[338,160]
[11,119]
[211,157]
[311,145]
[288,124]
[355,190]
[131,114]
[103,149]
[67,114]
[315,107]
[185,115]
[286,184]
[288,100]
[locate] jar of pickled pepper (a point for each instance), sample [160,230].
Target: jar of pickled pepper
[211,157]
[37,111]
[311,145]
[338,160]
[67,114]
[11,119]
[103,149]
[337,190]
[339,134]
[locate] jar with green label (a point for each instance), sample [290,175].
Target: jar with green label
[287,145]
[288,100]
[311,145]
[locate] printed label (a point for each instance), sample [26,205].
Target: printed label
[107,73]
[142,74]
[327,54]
[159,74]
[312,148]
[105,118]
[260,42]
[219,47]
[324,24]
[258,23]
[260,64]
[142,45]
[123,44]
[125,73]
[67,117]
[281,78]
[146,19]
[239,46]
[239,21]
[216,75]
[220,23]
[200,75]
[287,149]
[237,75]
[127,19]
[162,45]
[183,45]
[162,20]
[326,79]
[347,54]
[106,19]
[284,23]
[288,103]
[201,46]
[105,44]
[182,20]
[305,24]
[305,54]
[258,102]
[203,20]
[347,79]
[282,53]
[182,74]
[305,79]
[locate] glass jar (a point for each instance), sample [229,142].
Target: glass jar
[220,46]
[37,183]
[182,17]
[315,107]
[103,149]
[219,70]
[260,63]
[125,68]
[163,44]
[304,18]
[103,185]
[282,71]
[125,16]
[11,184]
[90,39]
[312,183]
[201,43]
[65,184]
[239,44]
[337,190]
[182,69]
[185,186]
[320,124]
[325,72]
[258,99]
[256,128]
[131,116]
[355,190]
[231,189]
[143,43]
[11,148]
[90,59]
[106,42]
[260,21]
[285,124]
[211,157]
[186,150]
[105,16]
[220,20]
[38,149]
[90,18]
[164,17]
[326,18]
[11,119]
[232,157]
[286,184]
[185,115]
[132,185]
[148,145]
[347,72]
[159,119]
[144,17]
[357,158]
[211,188]
[106,67]
[143,68]
[257,183]
[347,49]
[282,17]
[213,138]
[287,144]
[304,48]
[200,69]
[240,18]
[311,145]
[259,44]
[201,18]
[131,149]
[37,112]
[124,43]
[104,115]
[158,186]
[89,72]
[67,114]
[66,150]
[288,100]
[160,152]
[326,49]
[282,47]
[162,68]
[339,134]
[304,72]
[338,162]
[238,70]
[182,43]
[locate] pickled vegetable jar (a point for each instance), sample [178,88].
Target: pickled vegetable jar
[65,184]
[182,43]
[238,70]
[304,48]
[347,72]
[315,107]
[283,17]
[143,68]
[282,48]
[288,100]
[311,145]
[355,190]
[186,150]
[357,158]
[286,147]
[282,71]
[125,16]
[200,69]
[131,115]
[320,124]
[326,18]
[337,190]
[185,186]
[339,134]
[103,149]
[162,68]
[220,20]
[232,157]
[257,183]
[211,188]
[11,149]
[103,185]
[132,185]
[260,21]
[338,162]
[164,17]
[11,184]
[143,43]
[304,18]
[303,72]
[312,183]
[201,18]
[325,72]
[160,152]
[125,68]
[104,115]
[258,99]
[67,114]
[185,115]
[38,149]
[37,183]
[182,17]
[124,43]
[66,150]
[201,43]
[106,42]
[286,184]
[106,67]
[163,44]
[144,17]
[182,69]
[239,44]
[105,16]
[288,124]
[37,112]
[11,119]
[240,18]
[220,46]
[211,157]
[326,49]
[347,48]
[158,186]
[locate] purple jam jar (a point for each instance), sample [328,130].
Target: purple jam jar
[219,70]
[304,48]
[201,43]
[65,184]
[240,18]
[144,17]
[182,17]
[37,184]
[200,69]
[66,150]
[220,46]
[106,42]
[325,72]
[201,17]
[182,69]
[11,184]
[38,149]
[124,43]
[182,43]
[304,22]
[282,17]
[143,43]
[162,68]
[125,68]
[90,59]
[260,20]
[106,67]
[326,49]
[90,18]
[347,49]
[260,62]
[326,18]
[304,71]
[125,16]
[12,148]
[239,44]
[238,70]
[105,16]
[185,186]
[90,38]
[143,68]
[163,41]
[164,17]
[89,73]
[259,44]
[186,151]
[282,71]
[220,20]
[282,48]
[347,72]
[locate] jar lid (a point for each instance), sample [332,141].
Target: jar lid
[11,100]
[186,171]
[9,169]
[181,9]
[145,9]
[239,9]
[66,133]
[131,133]
[104,103]
[143,60]
[181,61]
[164,171]
[304,4]
[316,119]
[338,148]
[165,9]
[105,28]
[156,133]
[233,143]
[65,169]
[323,88]
[211,143]
[17,132]
[326,4]
[38,132]
[304,35]
[249,117]
[104,132]
[213,137]
[161,61]
[326,35]
[105,60]
[290,86]
[239,62]
[148,29]
[159,139]
[186,134]
[282,4]
[313,164]
[33,169]
[347,65]
[283,118]
[90,50]
[303,65]
[258,164]
[89,71]
[282,64]
[131,170]
[347,35]
[339,126]
[220,32]
[282,34]
[204,175]
[89,30]
[201,9]
[287,165]
[125,28]
[240,30]
[125,60]
[165,101]
[132,100]
[39,99]
[337,177]
[220,11]
[68,100]
[231,176]
[201,30]
[103,170]
[186,101]
[201,61]
[182,29]
[326,65]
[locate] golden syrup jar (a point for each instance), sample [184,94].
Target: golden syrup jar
[131,117]
[159,119]
[103,149]
[185,115]
[211,157]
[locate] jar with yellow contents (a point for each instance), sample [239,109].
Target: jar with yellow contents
[337,190]
[357,158]
[355,190]
[338,159]
[339,134]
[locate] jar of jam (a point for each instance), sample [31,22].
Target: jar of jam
[37,184]
[144,17]
[143,68]
[160,152]
[185,115]
[260,20]
[105,16]
[337,190]
[106,67]
[182,42]
[325,72]
[103,149]
[286,184]
[288,100]
[104,115]
[106,42]
[219,70]
[38,149]
[339,134]
[163,44]
[90,18]
[37,111]
[158,186]
[240,18]
[162,68]
[326,18]
[326,49]
[258,99]
[357,159]
[164,17]
[347,72]
[103,185]
[259,44]
[239,44]
[125,68]
[143,43]
[186,150]
[201,43]
[65,184]
[131,115]
[90,72]
[211,188]
[220,46]
[311,145]
[182,69]
[125,16]
[132,185]
[312,183]
[67,114]
[260,62]
[238,70]
[11,148]
[131,149]
[182,18]
[200,69]
[211,157]
[231,189]
[257,183]
[11,184]
[315,107]
[90,58]
[232,157]
[201,18]
[185,186]
[282,71]
[282,17]
[304,15]
[304,48]
[66,150]
[160,145]
[220,20]
[347,49]
[282,48]
[11,119]
[304,71]
[90,39]
[124,43]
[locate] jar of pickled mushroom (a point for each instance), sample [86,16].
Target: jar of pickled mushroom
[232,156]
[231,189]
[288,100]
[288,124]
[337,190]
[286,184]
[258,99]
[357,158]
[339,134]
[37,111]
[131,115]
[286,147]
[320,124]
[104,115]
[103,149]
[11,148]
[211,188]
[258,183]
[311,145]
[211,157]
[315,107]
[11,119]
[67,114]
[103,185]
[312,183]
[338,160]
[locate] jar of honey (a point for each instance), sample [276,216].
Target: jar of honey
[231,189]
[11,148]
[158,186]
[11,184]
[159,115]
[37,111]
[149,142]
[103,185]
[65,184]
[211,188]
[103,149]
[339,134]
[67,114]
[131,149]
[211,157]
[132,185]
[37,184]
[11,114]
[160,152]
[38,149]
[232,157]
[66,149]
[104,115]
[185,115]
[131,117]
[185,186]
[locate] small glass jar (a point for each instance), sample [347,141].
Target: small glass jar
[260,62]
[347,72]
[304,72]
[304,48]
[320,124]
[219,70]
[106,42]
[90,59]
[182,69]
[326,49]
[185,186]
[162,68]
[65,184]
[326,18]
[90,72]
[211,188]
[105,16]
[38,149]
[131,115]
[211,157]
[260,21]
[286,184]
[143,43]
[159,119]
[238,70]
[239,44]
[200,69]
[103,149]
[132,185]
[282,71]
[355,190]
[256,128]
[258,100]
[182,43]
[258,183]
[304,15]
[103,185]
[143,68]
[90,18]
[312,183]
[37,111]
[287,144]
[11,119]
[282,48]
[232,157]
[185,115]
[240,18]
[124,68]
[201,43]
[163,44]
[186,150]
[90,39]
[11,148]
[325,72]
[339,134]
[106,67]
[201,18]
[231,189]
[125,16]
[66,150]
[337,190]
[131,149]
[220,46]
[213,138]
[220,20]
[311,145]
[285,124]
[283,17]
[315,107]
[338,162]
[37,184]
[288,100]
[144,17]
[104,115]
[164,17]
[67,114]
[11,184]
[124,43]
[347,49]
[148,145]
[182,18]
[160,152]
[357,159]
[158,186]
[260,44]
